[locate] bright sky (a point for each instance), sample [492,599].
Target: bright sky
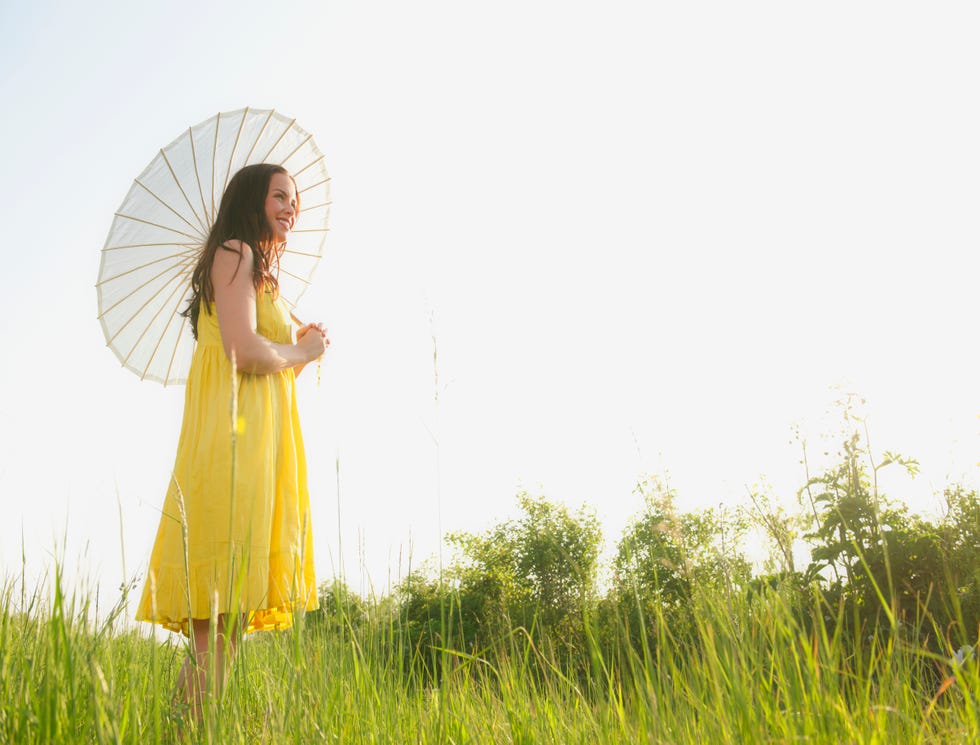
[648,237]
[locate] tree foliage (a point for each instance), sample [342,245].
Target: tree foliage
[536,572]
[665,558]
[874,568]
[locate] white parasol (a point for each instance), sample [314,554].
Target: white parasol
[162,224]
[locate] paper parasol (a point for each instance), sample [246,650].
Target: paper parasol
[160,228]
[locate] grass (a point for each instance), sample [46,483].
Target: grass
[751,673]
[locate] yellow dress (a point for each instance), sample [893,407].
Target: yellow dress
[235,532]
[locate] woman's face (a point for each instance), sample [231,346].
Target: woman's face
[280,206]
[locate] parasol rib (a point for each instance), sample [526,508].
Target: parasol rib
[173,355]
[197,174]
[312,207]
[183,254]
[313,186]
[302,253]
[156,348]
[294,276]
[259,135]
[149,245]
[284,160]
[149,325]
[157,197]
[140,310]
[181,272]
[200,222]
[276,143]
[311,163]
[157,225]
[234,147]
[214,159]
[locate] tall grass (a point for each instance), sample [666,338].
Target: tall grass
[751,671]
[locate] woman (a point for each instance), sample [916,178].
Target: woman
[234,546]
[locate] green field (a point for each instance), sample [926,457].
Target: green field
[750,672]
[525,635]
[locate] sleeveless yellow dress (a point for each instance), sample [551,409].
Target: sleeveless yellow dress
[235,534]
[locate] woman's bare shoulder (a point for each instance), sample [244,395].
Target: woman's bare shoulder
[236,246]
[235,256]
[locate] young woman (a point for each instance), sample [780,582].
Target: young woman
[234,548]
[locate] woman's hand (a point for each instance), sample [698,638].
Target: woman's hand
[312,334]
[312,338]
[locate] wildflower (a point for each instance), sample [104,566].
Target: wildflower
[962,655]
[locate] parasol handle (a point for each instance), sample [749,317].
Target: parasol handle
[318,363]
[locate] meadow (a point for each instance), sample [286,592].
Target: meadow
[750,676]
[524,636]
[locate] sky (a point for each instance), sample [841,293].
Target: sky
[643,237]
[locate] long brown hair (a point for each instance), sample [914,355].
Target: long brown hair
[241,216]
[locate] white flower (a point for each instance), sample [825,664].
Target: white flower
[963,654]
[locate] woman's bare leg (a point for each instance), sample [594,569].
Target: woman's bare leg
[192,680]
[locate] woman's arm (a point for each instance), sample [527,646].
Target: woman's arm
[234,300]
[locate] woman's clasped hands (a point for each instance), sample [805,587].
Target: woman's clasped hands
[312,338]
